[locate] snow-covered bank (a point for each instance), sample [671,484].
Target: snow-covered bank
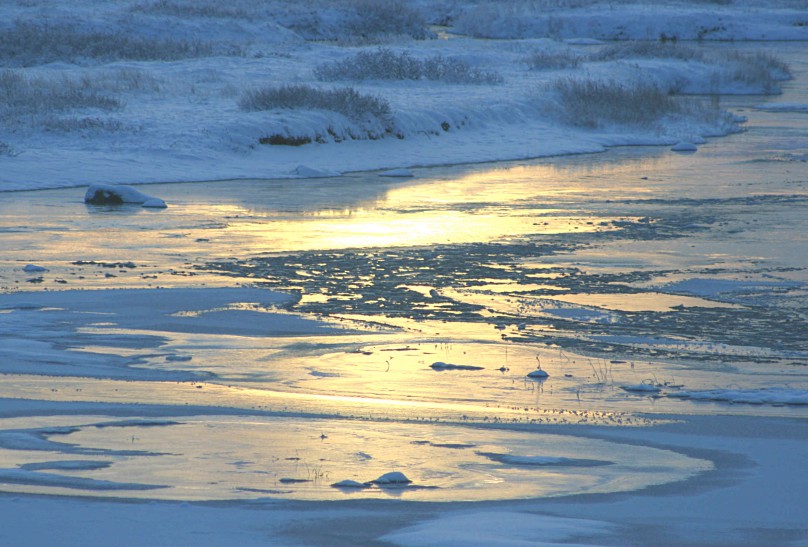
[101,101]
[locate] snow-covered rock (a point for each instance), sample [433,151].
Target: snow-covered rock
[118,194]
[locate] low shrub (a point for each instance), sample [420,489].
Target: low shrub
[197,8]
[26,44]
[6,149]
[22,95]
[373,18]
[366,110]
[543,60]
[647,49]
[385,64]
[593,103]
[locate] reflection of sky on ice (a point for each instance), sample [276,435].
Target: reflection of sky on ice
[635,249]
[224,457]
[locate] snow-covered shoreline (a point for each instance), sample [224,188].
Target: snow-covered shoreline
[74,121]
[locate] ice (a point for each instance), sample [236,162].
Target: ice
[684,146]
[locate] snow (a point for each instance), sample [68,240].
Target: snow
[397,173]
[506,528]
[104,194]
[179,119]
[684,147]
[392,478]
[304,171]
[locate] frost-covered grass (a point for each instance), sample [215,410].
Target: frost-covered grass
[541,60]
[353,21]
[24,95]
[633,19]
[385,64]
[28,44]
[198,8]
[371,113]
[589,102]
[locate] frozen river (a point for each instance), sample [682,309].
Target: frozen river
[645,282]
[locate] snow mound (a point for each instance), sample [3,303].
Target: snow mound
[392,478]
[400,173]
[118,194]
[684,146]
[306,172]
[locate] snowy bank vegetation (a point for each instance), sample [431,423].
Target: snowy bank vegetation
[205,82]
[27,44]
[27,95]
[385,64]
[634,19]
[371,113]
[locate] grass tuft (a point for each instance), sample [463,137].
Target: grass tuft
[385,64]
[28,44]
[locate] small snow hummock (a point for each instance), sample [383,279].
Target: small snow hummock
[307,172]
[402,173]
[118,194]
[392,478]
[684,146]
[538,374]
[33,268]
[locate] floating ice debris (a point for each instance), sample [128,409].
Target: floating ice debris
[155,204]
[402,173]
[642,388]
[31,268]
[514,459]
[783,107]
[763,396]
[684,147]
[350,484]
[118,194]
[584,42]
[307,172]
[394,477]
[440,365]
[538,374]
